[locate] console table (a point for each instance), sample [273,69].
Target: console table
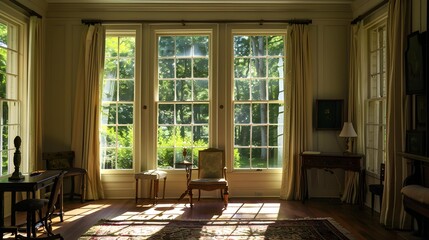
[346,161]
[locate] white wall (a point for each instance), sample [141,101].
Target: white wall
[329,42]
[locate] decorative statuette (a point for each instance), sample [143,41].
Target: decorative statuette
[16,175]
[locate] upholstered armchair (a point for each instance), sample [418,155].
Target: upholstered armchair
[211,174]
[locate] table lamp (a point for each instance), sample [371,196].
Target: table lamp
[348,132]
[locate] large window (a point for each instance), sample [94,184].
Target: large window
[9,89]
[258,100]
[117,97]
[375,124]
[183,97]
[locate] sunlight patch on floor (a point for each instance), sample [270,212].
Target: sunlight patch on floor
[78,213]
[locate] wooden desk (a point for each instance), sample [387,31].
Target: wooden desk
[29,184]
[350,162]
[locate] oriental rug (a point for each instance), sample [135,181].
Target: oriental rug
[307,228]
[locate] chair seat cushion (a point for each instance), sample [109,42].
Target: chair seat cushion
[151,175]
[30,205]
[210,181]
[417,193]
[74,171]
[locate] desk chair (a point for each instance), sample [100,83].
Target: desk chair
[65,161]
[211,174]
[31,206]
[377,189]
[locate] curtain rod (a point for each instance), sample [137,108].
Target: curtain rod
[369,12]
[184,22]
[25,8]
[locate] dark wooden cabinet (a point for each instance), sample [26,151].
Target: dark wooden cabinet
[346,161]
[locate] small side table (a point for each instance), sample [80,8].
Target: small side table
[153,176]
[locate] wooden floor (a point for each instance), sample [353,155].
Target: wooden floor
[80,217]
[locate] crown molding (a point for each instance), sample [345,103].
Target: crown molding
[57,9]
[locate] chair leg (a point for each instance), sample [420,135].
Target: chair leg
[82,188]
[199,194]
[381,200]
[372,203]
[72,188]
[190,196]
[225,197]
[163,190]
[137,188]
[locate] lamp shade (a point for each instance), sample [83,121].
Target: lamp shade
[348,130]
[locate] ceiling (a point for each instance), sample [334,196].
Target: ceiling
[209,1]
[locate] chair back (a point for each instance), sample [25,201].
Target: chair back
[211,163]
[55,192]
[59,160]
[382,170]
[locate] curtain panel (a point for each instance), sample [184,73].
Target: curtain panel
[85,138]
[392,212]
[298,109]
[355,109]
[35,73]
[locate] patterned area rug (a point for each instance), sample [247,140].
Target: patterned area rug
[320,228]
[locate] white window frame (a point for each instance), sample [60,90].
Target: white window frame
[189,30]
[20,23]
[250,30]
[136,31]
[379,147]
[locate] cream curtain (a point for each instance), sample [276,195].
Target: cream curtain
[298,110]
[85,139]
[355,109]
[35,73]
[392,212]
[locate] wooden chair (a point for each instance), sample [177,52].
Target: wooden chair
[65,161]
[211,174]
[377,189]
[31,206]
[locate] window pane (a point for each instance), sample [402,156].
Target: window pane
[166,68]
[126,68]
[164,88]
[259,113]
[242,135]
[275,89]
[259,136]
[242,113]
[275,46]
[201,46]
[165,114]
[183,46]
[259,158]
[242,90]
[275,157]
[110,89]
[201,90]
[259,89]
[127,47]
[201,113]
[126,90]
[183,113]
[183,69]
[184,90]
[166,46]
[201,67]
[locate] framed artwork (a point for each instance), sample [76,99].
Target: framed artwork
[329,114]
[415,64]
[415,142]
[421,112]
